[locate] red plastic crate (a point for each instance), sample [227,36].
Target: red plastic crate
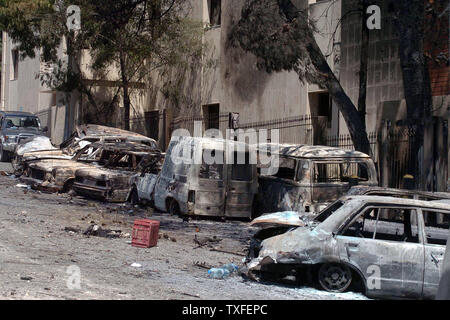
[145,233]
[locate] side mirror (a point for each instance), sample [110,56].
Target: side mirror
[45,129]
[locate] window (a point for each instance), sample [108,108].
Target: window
[286,169]
[211,171]
[215,12]
[211,113]
[381,223]
[436,227]
[14,64]
[340,172]
[325,213]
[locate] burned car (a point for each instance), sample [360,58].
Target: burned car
[114,181]
[81,137]
[207,177]
[388,247]
[58,175]
[310,177]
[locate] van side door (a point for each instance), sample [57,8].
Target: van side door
[241,187]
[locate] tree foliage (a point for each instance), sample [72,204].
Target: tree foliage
[135,37]
[281,36]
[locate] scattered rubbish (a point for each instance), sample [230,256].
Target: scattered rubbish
[231,267]
[136,265]
[26,278]
[23,186]
[96,230]
[70,229]
[145,233]
[202,265]
[230,252]
[202,241]
[223,272]
[4,173]
[218,273]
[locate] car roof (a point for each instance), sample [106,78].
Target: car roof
[308,151]
[364,190]
[16,113]
[442,205]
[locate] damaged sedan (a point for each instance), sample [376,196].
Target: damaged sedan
[114,182]
[386,247]
[57,175]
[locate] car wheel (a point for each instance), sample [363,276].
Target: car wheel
[134,197]
[334,277]
[174,208]
[3,154]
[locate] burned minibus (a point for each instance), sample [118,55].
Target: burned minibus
[207,177]
[308,178]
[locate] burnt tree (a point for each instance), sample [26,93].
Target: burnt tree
[281,36]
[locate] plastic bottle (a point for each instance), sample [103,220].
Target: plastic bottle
[218,273]
[231,267]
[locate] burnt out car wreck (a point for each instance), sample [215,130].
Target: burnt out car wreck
[383,246]
[310,177]
[113,182]
[39,148]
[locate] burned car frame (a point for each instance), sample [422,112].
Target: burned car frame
[81,137]
[310,177]
[391,247]
[191,185]
[58,175]
[114,181]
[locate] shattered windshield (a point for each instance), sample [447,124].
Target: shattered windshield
[327,212]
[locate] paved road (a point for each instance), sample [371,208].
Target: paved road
[40,260]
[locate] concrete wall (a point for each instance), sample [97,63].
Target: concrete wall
[384,72]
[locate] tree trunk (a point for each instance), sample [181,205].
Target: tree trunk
[409,23]
[363,65]
[346,107]
[126,97]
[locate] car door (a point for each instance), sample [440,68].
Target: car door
[391,262]
[436,225]
[241,186]
[164,179]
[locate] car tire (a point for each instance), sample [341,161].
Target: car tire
[134,197]
[4,156]
[174,208]
[335,277]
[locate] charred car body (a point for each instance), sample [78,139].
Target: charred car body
[207,177]
[114,181]
[83,135]
[58,175]
[390,247]
[310,177]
